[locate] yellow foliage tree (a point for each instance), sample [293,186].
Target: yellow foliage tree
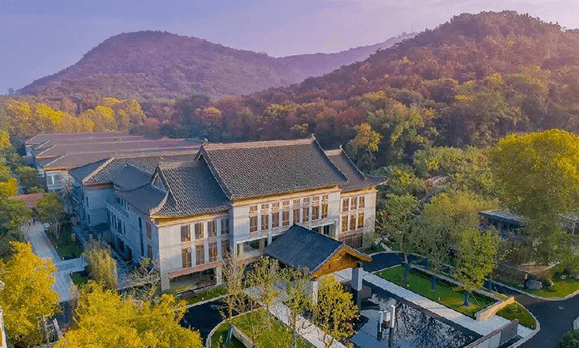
[27,296]
[4,140]
[106,320]
[9,188]
[102,117]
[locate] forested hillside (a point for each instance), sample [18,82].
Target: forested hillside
[152,65]
[467,82]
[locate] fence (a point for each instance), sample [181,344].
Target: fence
[497,337]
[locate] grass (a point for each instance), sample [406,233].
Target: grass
[446,294]
[206,294]
[516,311]
[243,323]
[560,288]
[65,247]
[79,278]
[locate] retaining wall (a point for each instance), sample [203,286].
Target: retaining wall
[488,312]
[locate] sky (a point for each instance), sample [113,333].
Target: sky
[42,37]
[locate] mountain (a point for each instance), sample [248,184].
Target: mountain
[151,64]
[469,81]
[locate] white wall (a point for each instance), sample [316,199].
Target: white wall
[96,206]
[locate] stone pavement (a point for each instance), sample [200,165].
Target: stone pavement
[482,327]
[41,245]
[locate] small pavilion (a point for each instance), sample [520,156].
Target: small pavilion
[321,255]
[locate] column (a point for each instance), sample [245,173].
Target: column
[357,277]
[218,275]
[315,286]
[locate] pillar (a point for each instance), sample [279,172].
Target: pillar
[218,275]
[357,277]
[315,286]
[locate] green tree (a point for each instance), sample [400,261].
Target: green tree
[14,213]
[102,267]
[538,176]
[476,259]
[297,285]
[50,210]
[104,319]
[367,141]
[335,312]
[263,277]
[397,223]
[27,296]
[28,178]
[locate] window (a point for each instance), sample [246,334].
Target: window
[224,226]
[119,226]
[253,224]
[316,208]
[352,222]
[140,224]
[354,203]
[212,228]
[296,211]
[361,202]
[360,220]
[186,257]
[199,233]
[265,222]
[86,199]
[212,251]
[149,232]
[285,216]
[324,206]
[150,252]
[345,205]
[253,210]
[224,246]
[275,215]
[185,233]
[344,223]
[200,254]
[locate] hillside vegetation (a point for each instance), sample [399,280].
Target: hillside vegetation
[158,65]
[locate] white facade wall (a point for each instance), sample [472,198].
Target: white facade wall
[131,234]
[95,204]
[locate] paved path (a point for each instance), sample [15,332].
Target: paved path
[41,245]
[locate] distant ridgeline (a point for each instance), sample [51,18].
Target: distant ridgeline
[152,64]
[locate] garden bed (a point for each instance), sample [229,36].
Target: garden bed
[446,293]
[516,311]
[65,247]
[203,295]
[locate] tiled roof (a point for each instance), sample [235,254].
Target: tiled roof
[270,167]
[356,179]
[503,216]
[192,190]
[114,146]
[301,248]
[30,199]
[82,172]
[130,178]
[41,138]
[49,143]
[143,198]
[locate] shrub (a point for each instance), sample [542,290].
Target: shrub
[569,340]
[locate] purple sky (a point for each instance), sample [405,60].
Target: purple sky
[38,38]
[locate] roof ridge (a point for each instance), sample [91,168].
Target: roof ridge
[178,164]
[156,154]
[214,172]
[328,159]
[253,144]
[167,192]
[98,169]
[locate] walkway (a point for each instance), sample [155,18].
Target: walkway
[41,245]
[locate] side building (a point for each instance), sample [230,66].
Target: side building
[238,197]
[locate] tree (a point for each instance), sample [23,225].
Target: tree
[4,141]
[51,211]
[263,277]
[27,296]
[396,222]
[366,140]
[14,213]
[28,178]
[477,252]
[538,175]
[102,267]
[233,270]
[104,319]
[8,188]
[335,312]
[297,285]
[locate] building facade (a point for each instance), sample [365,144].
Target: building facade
[235,197]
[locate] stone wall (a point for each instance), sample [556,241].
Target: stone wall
[488,312]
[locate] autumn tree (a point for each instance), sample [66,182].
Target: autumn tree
[104,319]
[366,141]
[102,267]
[50,210]
[538,175]
[476,259]
[27,297]
[335,312]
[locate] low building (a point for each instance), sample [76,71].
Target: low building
[55,154]
[238,197]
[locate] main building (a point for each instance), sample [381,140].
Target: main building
[186,211]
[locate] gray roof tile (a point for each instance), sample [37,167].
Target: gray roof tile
[270,167]
[143,198]
[356,179]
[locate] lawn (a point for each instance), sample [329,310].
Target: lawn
[206,294]
[65,247]
[243,323]
[446,294]
[516,311]
[560,288]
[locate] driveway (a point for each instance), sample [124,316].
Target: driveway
[203,317]
[555,317]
